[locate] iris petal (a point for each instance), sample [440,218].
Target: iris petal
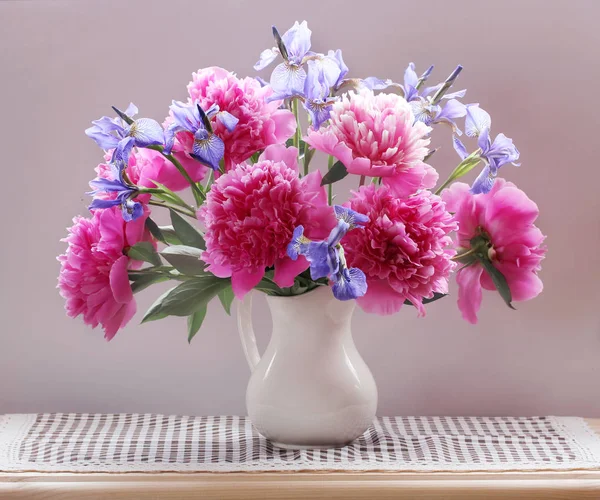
[288,79]
[228,120]
[484,182]
[476,121]
[208,149]
[147,132]
[350,284]
[266,57]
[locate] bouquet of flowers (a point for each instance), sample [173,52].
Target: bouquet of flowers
[263,217]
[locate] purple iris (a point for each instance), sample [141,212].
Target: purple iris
[352,218]
[327,259]
[131,209]
[208,148]
[349,284]
[288,78]
[299,243]
[425,103]
[318,83]
[122,133]
[495,153]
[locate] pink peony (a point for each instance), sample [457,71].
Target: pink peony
[376,136]
[251,212]
[506,216]
[260,123]
[404,250]
[93,275]
[147,165]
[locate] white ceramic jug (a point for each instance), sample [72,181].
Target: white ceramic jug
[311,388]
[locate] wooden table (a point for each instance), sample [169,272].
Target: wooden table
[564,485]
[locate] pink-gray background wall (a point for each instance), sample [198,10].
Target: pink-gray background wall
[532,64]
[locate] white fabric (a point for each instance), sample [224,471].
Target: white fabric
[139,443]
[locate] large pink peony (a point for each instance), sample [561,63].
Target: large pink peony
[251,212]
[506,216]
[260,123]
[404,250]
[376,136]
[93,276]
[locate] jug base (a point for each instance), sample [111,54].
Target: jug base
[287,446]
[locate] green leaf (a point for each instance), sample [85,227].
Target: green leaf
[270,288]
[185,259]
[145,280]
[195,321]
[226,297]
[169,195]
[169,234]
[187,298]
[337,172]
[144,250]
[498,279]
[254,158]
[155,230]
[154,311]
[186,232]
[436,296]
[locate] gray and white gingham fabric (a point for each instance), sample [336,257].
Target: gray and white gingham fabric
[71,442]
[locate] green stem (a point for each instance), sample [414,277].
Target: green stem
[330,186]
[446,183]
[464,167]
[149,190]
[189,213]
[199,196]
[298,133]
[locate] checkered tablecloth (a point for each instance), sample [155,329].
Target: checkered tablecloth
[70,442]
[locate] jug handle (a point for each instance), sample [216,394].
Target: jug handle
[244,321]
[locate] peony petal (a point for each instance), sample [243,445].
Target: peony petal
[287,269]
[469,292]
[524,284]
[278,152]
[245,280]
[111,230]
[119,320]
[380,298]
[325,140]
[455,195]
[285,125]
[119,281]
[407,182]
[509,210]
[135,231]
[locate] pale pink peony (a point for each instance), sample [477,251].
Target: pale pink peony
[405,249]
[376,136]
[251,212]
[507,216]
[93,275]
[260,123]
